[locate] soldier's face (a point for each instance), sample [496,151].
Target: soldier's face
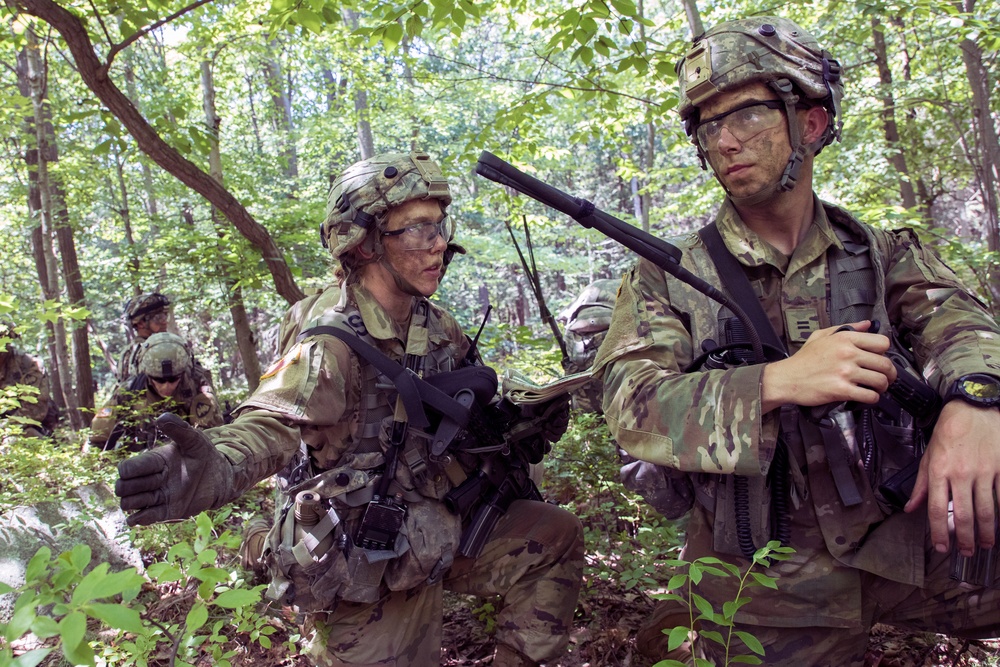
[165,387]
[423,267]
[746,167]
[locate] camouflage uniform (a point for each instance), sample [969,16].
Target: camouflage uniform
[703,427]
[314,395]
[20,368]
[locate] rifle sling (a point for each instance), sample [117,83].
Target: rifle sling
[736,283]
[413,390]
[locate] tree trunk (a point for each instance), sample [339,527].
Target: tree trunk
[282,99]
[54,223]
[366,142]
[95,75]
[897,156]
[694,18]
[241,323]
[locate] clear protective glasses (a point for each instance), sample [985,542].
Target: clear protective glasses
[744,122]
[423,235]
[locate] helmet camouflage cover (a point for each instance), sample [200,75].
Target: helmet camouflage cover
[164,355]
[144,304]
[767,49]
[363,194]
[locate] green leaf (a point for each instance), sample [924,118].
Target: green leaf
[117,616]
[310,20]
[73,628]
[31,658]
[45,627]
[80,557]
[86,590]
[4,588]
[752,642]
[164,572]
[38,565]
[197,617]
[677,637]
[20,622]
[238,597]
[764,580]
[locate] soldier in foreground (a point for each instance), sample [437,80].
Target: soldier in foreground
[33,411]
[366,540]
[164,382]
[804,449]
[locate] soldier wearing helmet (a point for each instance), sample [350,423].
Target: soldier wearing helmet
[164,383]
[325,415]
[26,406]
[145,314]
[799,448]
[148,314]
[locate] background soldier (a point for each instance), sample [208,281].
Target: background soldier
[19,368]
[803,448]
[149,314]
[366,542]
[163,383]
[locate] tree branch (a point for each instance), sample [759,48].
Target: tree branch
[95,75]
[118,48]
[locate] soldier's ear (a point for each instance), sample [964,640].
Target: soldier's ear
[815,123]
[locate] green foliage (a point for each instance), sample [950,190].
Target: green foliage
[689,574]
[64,598]
[40,469]
[626,541]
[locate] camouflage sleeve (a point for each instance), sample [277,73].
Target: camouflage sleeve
[950,331]
[708,421]
[308,395]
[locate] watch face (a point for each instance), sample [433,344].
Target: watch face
[980,388]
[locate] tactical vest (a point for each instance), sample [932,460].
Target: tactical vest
[856,293]
[305,547]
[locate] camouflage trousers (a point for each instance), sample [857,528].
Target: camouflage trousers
[534,560]
[943,606]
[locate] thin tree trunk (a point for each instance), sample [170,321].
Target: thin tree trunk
[282,99]
[897,156]
[366,142]
[241,323]
[53,223]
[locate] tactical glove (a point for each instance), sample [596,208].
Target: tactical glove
[176,480]
[539,425]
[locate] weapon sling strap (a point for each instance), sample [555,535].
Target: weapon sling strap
[738,285]
[412,389]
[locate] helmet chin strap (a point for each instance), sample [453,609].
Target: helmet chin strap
[790,176]
[402,283]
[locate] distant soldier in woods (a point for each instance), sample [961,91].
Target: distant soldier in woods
[587,320]
[149,314]
[164,382]
[33,411]
[383,506]
[831,445]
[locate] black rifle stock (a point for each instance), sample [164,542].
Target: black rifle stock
[656,250]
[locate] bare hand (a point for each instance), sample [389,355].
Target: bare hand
[961,464]
[834,365]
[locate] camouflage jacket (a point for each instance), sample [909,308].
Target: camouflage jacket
[709,425]
[135,411]
[19,368]
[322,395]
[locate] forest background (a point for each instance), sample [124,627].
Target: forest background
[188,149]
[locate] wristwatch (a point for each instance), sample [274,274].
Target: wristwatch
[976,389]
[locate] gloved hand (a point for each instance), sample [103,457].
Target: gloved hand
[540,424]
[176,480]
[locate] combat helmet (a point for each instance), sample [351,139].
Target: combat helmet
[767,49]
[144,304]
[363,194]
[164,355]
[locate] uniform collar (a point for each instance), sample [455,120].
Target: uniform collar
[752,250]
[377,321]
